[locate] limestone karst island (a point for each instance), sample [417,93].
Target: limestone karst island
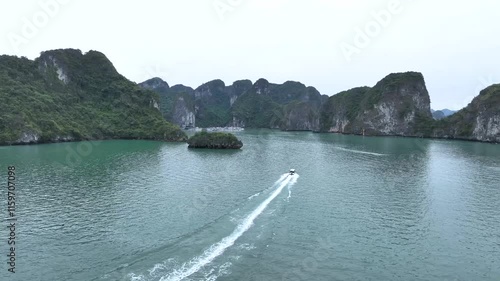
[67,95]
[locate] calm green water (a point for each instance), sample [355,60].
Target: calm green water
[360,209]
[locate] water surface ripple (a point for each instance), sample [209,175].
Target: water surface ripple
[363,209]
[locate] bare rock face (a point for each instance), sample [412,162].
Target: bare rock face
[403,98]
[176,103]
[28,138]
[183,114]
[301,116]
[340,111]
[487,128]
[209,105]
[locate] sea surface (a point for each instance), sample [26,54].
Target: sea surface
[359,208]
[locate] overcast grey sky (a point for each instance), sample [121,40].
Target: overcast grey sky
[333,45]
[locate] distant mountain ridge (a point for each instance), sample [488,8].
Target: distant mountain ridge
[258,105]
[398,105]
[65,95]
[440,114]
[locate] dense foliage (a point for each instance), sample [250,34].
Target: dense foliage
[214,140]
[65,95]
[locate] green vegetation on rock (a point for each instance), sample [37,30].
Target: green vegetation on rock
[480,120]
[399,104]
[258,111]
[65,95]
[215,141]
[288,106]
[347,104]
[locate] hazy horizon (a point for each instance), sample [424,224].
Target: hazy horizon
[331,45]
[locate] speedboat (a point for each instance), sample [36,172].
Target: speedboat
[292,171]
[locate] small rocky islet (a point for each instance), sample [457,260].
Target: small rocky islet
[214,140]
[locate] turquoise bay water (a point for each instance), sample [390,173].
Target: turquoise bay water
[360,208]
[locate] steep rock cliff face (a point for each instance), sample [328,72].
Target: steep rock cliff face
[237,89]
[214,101]
[340,111]
[301,116]
[397,105]
[180,106]
[212,104]
[183,113]
[255,109]
[303,107]
[209,105]
[487,128]
[480,120]
[288,106]
[176,103]
[399,102]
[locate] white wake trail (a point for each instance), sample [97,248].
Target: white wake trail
[218,249]
[359,151]
[282,178]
